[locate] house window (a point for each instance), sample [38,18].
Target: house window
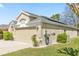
[22,21]
[12,28]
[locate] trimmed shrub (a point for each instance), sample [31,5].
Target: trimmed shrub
[7,36]
[35,43]
[77,25]
[62,38]
[1,34]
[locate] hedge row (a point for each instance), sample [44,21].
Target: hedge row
[6,35]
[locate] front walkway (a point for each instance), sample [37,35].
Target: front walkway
[11,46]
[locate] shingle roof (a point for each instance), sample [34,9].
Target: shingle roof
[14,21]
[52,19]
[48,20]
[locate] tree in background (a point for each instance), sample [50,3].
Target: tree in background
[69,17]
[75,9]
[56,17]
[77,25]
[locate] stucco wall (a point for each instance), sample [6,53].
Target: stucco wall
[25,17]
[71,33]
[54,32]
[24,35]
[11,27]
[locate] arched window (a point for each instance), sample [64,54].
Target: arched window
[12,27]
[22,21]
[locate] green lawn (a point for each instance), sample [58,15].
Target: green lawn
[47,51]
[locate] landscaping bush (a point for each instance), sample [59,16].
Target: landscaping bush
[7,36]
[69,51]
[1,34]
[35,43]
[62,38]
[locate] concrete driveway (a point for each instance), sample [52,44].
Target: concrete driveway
[11,46]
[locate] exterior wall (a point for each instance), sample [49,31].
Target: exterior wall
[24,35]
[53,31]
[10,27]
[22,16]
[71,33]
[52,34]
[40,35]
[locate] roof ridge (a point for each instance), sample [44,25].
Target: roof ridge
[23,11]
[52,20]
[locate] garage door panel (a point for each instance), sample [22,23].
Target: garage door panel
[24,35]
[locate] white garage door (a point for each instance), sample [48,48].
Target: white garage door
[24,35]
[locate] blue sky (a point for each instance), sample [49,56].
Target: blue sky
[10,11]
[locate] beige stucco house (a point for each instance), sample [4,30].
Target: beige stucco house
[27,24]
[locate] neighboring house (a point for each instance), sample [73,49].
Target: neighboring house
[4,27]
[12,25]
[27,24]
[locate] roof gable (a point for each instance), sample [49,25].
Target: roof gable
[26,14]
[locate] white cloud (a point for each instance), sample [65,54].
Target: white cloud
[1,5]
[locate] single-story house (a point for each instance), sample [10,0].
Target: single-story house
[28,24]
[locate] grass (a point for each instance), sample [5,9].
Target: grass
[47,51]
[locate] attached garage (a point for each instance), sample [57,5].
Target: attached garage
[27,25]
[24,35]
